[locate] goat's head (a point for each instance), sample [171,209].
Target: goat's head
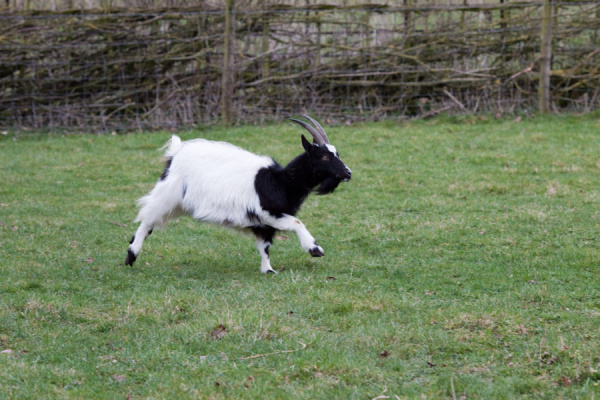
[328,169]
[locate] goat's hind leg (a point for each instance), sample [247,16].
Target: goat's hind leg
[264,239]
[137,240]
[162,204]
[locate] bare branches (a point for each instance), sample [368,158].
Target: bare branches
[155,68]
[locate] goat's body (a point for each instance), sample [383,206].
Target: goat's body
[221,183]
[210,181]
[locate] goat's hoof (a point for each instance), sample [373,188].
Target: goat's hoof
[270,271]
[130,259]
[316,252]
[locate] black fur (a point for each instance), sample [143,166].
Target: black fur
[265,233]
[328,186]
[316,252]
[165,173]
[278,192]
[130,259]
[253,216]
[283,190]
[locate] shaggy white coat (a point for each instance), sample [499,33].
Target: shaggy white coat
[217,179]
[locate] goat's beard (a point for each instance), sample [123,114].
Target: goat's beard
[328,186]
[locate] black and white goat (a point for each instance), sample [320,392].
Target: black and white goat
[220,183]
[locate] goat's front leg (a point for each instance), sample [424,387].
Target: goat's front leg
[290,223]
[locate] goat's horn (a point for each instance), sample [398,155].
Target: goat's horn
[319,128]
[315,134]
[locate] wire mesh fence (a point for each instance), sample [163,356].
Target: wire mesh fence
[164,67]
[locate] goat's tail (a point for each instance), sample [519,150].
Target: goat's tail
[172,146]
[163,202]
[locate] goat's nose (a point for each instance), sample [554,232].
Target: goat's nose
[349,172]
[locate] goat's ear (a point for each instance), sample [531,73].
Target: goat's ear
[306,144]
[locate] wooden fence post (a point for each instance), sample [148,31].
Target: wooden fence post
[502,18]
[545,58]
[408,22]
[462,15]
[265,40]
[407,17]
[597,31]
[318,57]
[227,81]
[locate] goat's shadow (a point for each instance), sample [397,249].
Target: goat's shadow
[212,267]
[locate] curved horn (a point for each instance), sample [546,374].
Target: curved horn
[319,128]
[315,134]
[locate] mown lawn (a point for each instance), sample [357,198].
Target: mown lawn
[462,261]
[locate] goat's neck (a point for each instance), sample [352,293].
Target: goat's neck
[299,174]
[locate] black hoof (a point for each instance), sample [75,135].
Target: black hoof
[316,252]
[130,259]
[271,272]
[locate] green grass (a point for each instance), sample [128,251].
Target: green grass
[462,261]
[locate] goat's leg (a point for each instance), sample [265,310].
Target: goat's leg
[290,223]
[264,239]
[135,245]
[160,205]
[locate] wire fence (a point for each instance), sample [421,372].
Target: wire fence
[123,69]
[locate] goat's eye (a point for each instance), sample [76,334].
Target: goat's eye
[325,158]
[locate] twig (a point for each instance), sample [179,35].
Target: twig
[525,71]
[455,100]
[435,112]
[273,353]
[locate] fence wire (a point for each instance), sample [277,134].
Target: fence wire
[121,69]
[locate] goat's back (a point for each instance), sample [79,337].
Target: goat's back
[217,180]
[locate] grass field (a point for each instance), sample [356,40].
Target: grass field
[461,262]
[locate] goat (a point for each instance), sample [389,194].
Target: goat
[221,183]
